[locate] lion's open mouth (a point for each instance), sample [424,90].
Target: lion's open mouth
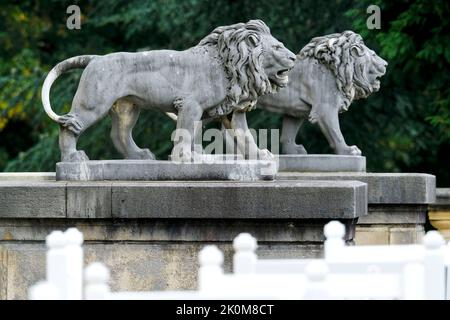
[282,74]
[281,78]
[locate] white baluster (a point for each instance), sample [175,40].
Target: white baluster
[56,262]
[434,266]
[74,256]
[244,259]
[414,281]
[96,277]
[210,271]
[316,286]
[334,233]
[447,270]
[43,290]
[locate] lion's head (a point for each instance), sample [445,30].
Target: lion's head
[355,66]
[255,62]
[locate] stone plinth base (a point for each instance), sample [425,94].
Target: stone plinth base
[321,163]
[132,170]
[150,254]
[183,199]
[397,204]
[149,233]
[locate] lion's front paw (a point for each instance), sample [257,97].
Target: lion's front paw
[187,156]
[264,154]
[294,149]
[350,150]
[76,156]
[143,154]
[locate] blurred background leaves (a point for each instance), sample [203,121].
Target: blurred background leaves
[405,127]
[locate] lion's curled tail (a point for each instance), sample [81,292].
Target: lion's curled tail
[62,67]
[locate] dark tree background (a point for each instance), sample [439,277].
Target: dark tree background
[404,127]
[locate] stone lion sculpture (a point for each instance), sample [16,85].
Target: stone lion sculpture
[225,73]
[330,72]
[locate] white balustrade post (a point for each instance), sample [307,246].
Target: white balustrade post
[334,239]
[316,286]
[96,276]
[447,271]
[57,262]
[210,271]
[434,266]
[43,290]
[244,259]
[74,256]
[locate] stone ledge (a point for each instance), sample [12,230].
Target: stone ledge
[383,188]
[442,198]
[44,199]
[395,214]
[172,230]
[30,176]
[184,199]
[321,163]
[231,200]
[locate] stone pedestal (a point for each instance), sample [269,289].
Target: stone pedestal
[397,204]
[321,163]
[439,214]
[149,233]
[144,170]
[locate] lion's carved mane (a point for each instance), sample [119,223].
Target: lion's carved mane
[335,52]
[240,50]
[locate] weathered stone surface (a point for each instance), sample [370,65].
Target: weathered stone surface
[239,170]
[321,163]
[395,188]
[32,199]
[150,254]
[28,176]
[184,199]
[371,235]
[387,234]
[391,214]
[442,198]
[259,199]
[177,230]
[134,266]
[406,234]
[89,200]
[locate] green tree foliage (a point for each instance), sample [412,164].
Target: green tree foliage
[404,127]
[411,114]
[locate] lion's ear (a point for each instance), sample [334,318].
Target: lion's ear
[356,51]
[253,39]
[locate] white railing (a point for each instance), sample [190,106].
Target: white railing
[64,270]
[346,272]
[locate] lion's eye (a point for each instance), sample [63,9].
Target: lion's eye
[277,47]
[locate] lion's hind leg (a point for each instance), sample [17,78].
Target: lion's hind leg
[72,125]
[70,128]
[290,128]
[124,115]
